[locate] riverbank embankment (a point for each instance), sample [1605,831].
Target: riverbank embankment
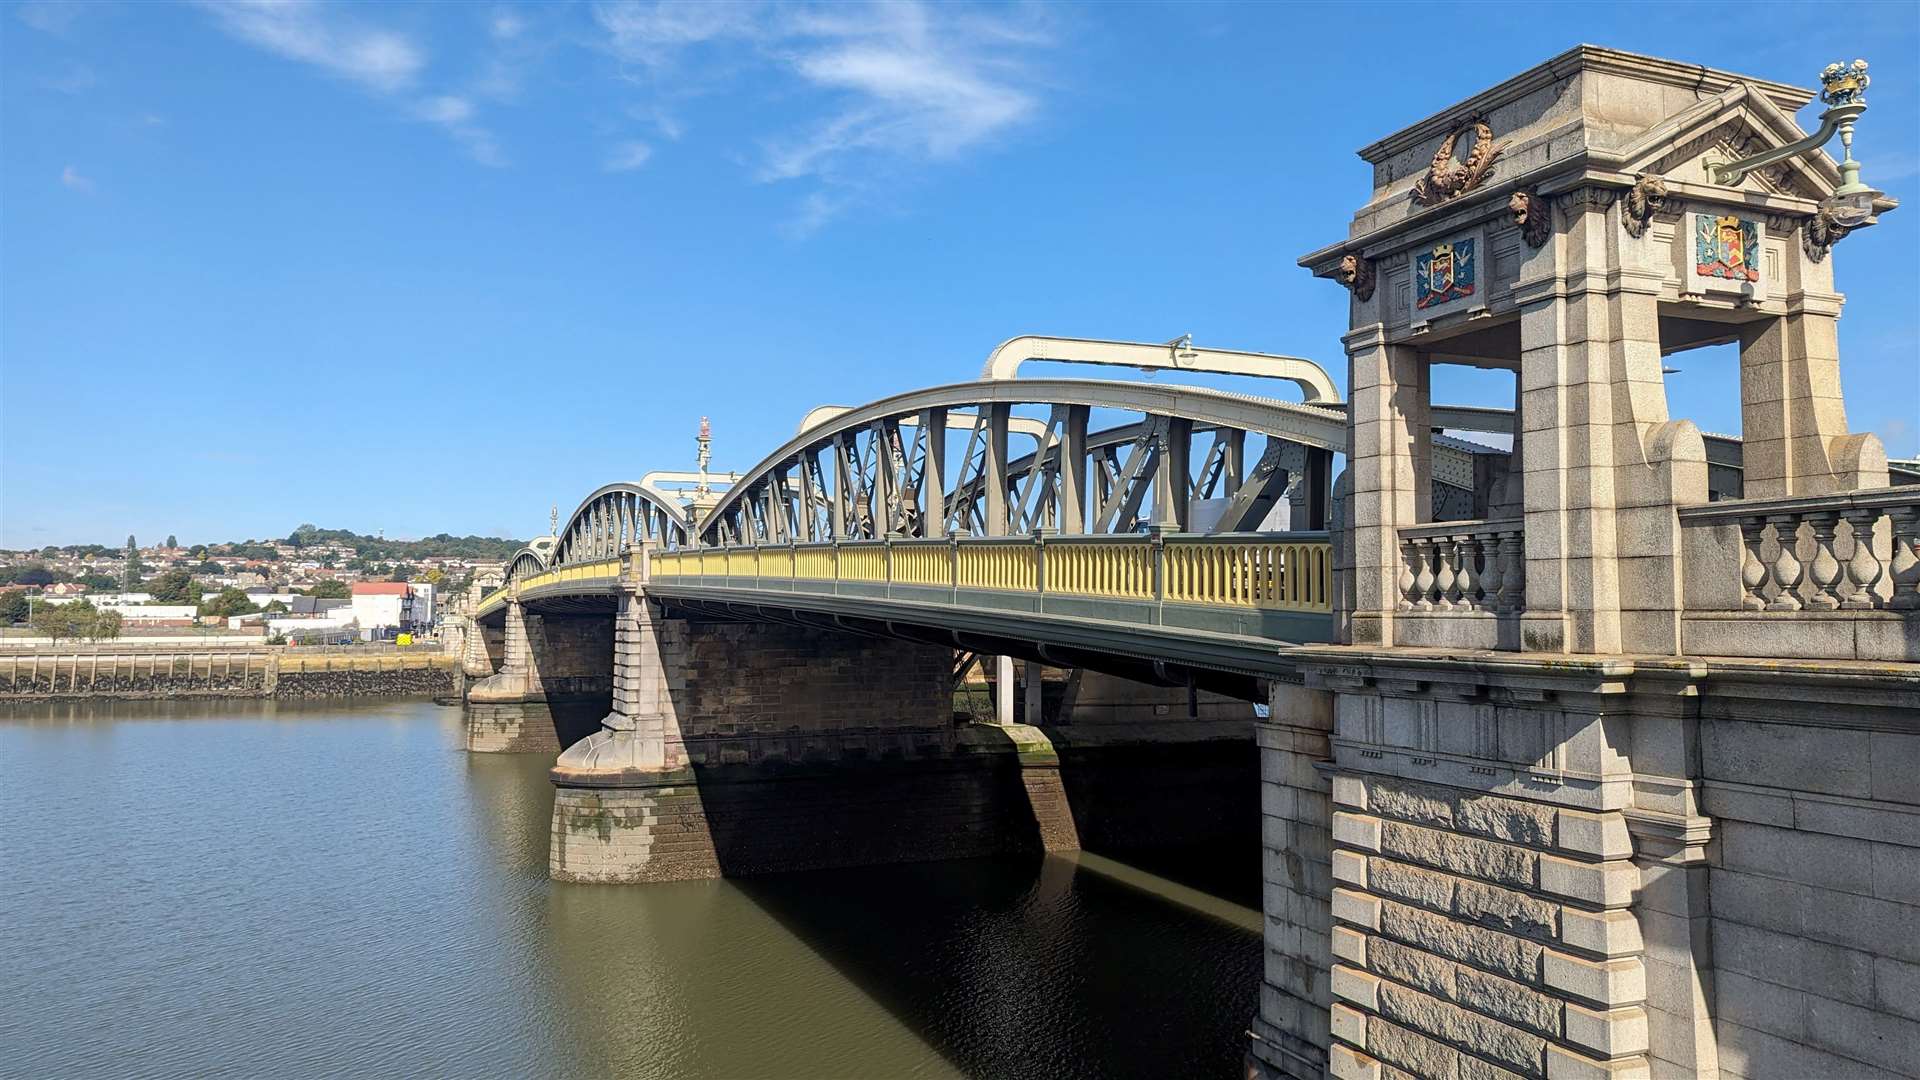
[161,669]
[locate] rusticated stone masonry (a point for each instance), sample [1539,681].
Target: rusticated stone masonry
[1481,936]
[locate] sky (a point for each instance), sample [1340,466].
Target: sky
[437,267]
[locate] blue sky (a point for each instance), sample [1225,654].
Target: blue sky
[435,267]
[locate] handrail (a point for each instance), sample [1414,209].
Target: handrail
[1269,571]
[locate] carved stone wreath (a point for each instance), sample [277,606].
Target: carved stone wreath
[1449,179]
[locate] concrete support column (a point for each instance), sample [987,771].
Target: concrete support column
[1035,685]
[1003,690]
[1291,1032]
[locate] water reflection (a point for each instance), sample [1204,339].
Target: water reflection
[315,890]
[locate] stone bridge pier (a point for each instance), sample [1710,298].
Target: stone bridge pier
[739,747]
[735,747]
[553,670]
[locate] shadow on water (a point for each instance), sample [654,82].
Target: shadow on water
[1024,967]
[1126,963]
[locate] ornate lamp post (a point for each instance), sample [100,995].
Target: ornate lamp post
[1843,87]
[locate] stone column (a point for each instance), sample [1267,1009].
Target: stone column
[1386,424]
[474,658]
[507,711]
[1591,397]
[1035,684]
[1291,1031]
[1793,421]
[1003,690]
[626,806]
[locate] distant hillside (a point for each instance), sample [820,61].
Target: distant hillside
[373,547]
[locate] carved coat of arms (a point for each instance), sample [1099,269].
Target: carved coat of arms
[1445,274]
[1726,247]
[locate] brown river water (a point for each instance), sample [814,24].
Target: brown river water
[261,889]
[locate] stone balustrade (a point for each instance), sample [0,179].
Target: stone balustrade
[1830,576]
[1841,555]
[1465,566]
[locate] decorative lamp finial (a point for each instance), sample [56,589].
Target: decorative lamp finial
[553,520]
[704,453]
[1844,84]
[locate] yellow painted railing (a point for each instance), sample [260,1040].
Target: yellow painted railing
[1283,574]
[863,563]
[1011,567]
[1123,571]
[1290,577]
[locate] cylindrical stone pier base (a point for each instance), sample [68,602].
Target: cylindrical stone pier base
[620,818]
[642,831]
[513,727]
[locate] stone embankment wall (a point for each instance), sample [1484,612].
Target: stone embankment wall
[1599,869]
[123,672]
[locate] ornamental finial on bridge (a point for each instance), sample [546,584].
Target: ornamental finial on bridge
[704,453]
[553,520]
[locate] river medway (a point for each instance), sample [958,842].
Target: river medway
[256,888]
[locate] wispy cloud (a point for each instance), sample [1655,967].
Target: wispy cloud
[893,84]
[49,16]
[71,179]
[504,25]
[455,116]
[382,61]
[628,156]
[298,30]
[78,80]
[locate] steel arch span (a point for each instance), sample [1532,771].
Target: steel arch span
[616,515]
[887,468]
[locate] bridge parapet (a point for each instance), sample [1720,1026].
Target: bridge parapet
[1284,572]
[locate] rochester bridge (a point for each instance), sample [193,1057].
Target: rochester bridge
[1535,712]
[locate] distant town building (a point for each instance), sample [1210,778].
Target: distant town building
[379,605]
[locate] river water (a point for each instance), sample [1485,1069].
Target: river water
[262,889]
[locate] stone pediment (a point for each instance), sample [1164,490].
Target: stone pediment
[1590,111]
[1738,122]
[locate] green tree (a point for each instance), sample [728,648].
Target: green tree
[62,621]
[330,590]
[401,572]
[105,626]
[132,572]
[98,582]
[275,607]
[175,587]
[29,574]
[230,601]
[198,551]
[14,606]
[173,541]
[208,566]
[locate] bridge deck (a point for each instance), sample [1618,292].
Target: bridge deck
[1222,600]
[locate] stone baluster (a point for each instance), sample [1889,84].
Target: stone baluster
[1490,576]
[1466,582]
[1786,565]
[1904,568]
[1423,581]
[1446,597]
[1409,560]
[1513,566]
[1753,566]
[1825,569]
[1863,566]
